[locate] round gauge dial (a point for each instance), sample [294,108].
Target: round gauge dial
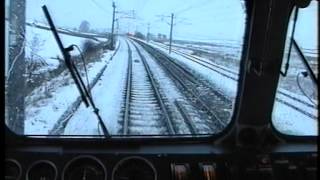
[134,168]
[85,168]
[13,169]
[42,170]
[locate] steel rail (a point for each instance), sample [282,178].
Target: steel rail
[128,92]
[157,55]
[168,120]
[195,59]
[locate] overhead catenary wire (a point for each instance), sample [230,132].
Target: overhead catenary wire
[193,6]
[100,7]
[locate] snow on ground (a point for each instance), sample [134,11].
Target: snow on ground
[233,50]
[226,56]
[285,118]
[42,115]
[288,121]
[172,93]
[304,99]
[229,89]
[102,39]
[107,95]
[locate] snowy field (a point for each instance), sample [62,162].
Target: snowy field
[285,118]
[63,93]
[223,48]
[55,95]
[108,94]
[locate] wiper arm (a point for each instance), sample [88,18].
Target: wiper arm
[74,72]
[305,62]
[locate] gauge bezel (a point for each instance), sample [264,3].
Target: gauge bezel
[69,163]
[46,162]
[18,164]
[116,167]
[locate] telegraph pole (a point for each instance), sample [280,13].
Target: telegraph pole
[171,33]
[171,27]
[112,28]
[148,35]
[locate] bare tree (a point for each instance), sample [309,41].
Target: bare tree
[35,61]
[84,26]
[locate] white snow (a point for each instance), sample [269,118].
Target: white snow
[173,94]
[285,119]
[42,115]
[48,48]
[229,89]
[107,95]
[232,48]
[288,121]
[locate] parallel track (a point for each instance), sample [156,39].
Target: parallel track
[234,76]
[213,103]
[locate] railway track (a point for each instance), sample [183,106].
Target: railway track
[215,105]
[144,109]
[234,76]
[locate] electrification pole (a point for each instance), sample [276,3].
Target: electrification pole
[171,27]
[171,33]
[148,35]
[112,28]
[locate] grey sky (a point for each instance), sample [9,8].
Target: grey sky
[205,20]
[202,19]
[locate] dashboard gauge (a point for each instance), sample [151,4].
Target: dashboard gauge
[84,168]
[208,171]
[13,169]
[134,168]
[42,170]
[180,171]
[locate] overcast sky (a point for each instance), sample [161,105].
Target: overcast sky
[204,20]
[196,19]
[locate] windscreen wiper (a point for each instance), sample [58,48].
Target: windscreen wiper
[305,62]
[85,95]
[300,53]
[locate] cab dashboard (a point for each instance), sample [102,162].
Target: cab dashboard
[175,160]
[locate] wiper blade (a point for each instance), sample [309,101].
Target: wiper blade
[305,62]
[74,72]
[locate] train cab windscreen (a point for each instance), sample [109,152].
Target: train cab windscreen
[142,67]
[150,67]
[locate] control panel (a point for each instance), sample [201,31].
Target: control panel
[188,163]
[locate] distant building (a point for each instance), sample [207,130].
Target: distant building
[162,37]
